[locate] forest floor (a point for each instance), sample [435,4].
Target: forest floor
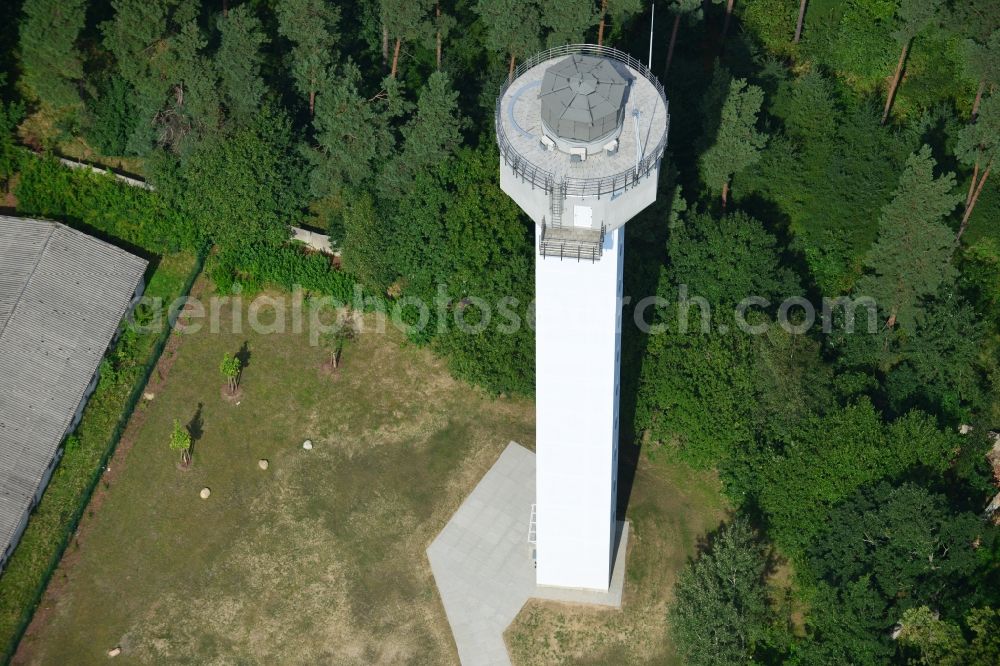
[321,557]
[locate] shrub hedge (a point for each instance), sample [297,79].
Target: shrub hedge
[101,205]
[283,266]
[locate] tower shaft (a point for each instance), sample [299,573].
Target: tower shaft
[578,351]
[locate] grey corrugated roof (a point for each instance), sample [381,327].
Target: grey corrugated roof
[62,296]
[23,245]
[583,98]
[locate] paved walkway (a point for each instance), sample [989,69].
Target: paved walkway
[482,561]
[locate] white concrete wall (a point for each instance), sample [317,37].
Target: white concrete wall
[577,338]
[611,210]
[134,182]
[314,240]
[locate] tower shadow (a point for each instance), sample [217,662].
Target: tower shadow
[645,254]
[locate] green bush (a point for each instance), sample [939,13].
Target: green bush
[284,266]
[99,203]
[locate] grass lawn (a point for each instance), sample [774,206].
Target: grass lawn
[320,558]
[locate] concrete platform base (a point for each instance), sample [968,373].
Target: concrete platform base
[482,561]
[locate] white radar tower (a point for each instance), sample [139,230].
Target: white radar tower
[581,131]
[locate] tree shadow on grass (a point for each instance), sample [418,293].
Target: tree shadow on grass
[243,355]
[196,427]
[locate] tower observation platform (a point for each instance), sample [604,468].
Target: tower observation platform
[581,131]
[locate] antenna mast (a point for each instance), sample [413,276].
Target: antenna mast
[652,20]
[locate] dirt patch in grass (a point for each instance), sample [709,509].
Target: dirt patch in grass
[231,396]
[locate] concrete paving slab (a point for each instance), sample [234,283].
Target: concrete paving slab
[482,563]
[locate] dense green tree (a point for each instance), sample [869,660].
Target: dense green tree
[846,625]
[728,259]
[696,388]
[792,382]
[511,27]
[912,16]
[568,21]
[913,547]
[978,24]
[351,136]
[140,36]
[854,39]
[311,26]
[239,60]
[453,241]
[112,116]
[193,108]
[444,23]
[242,189]
[773,24]
[980,280]
[982,64]
[984,648]
[51,61]
[732,141]
[720,610]
[940,642]
[978,144]
[974,20]
[11,114]
[912,256]
[430,137]
[367,245]
[483,250]
[680,9]
[405,21]
[827,458]
[940,368]
[830,172]
[619,11]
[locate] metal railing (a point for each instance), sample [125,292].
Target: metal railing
[572,248]
[545,179]
[556,203]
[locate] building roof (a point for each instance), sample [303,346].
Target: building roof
[583,98]
[62,296]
